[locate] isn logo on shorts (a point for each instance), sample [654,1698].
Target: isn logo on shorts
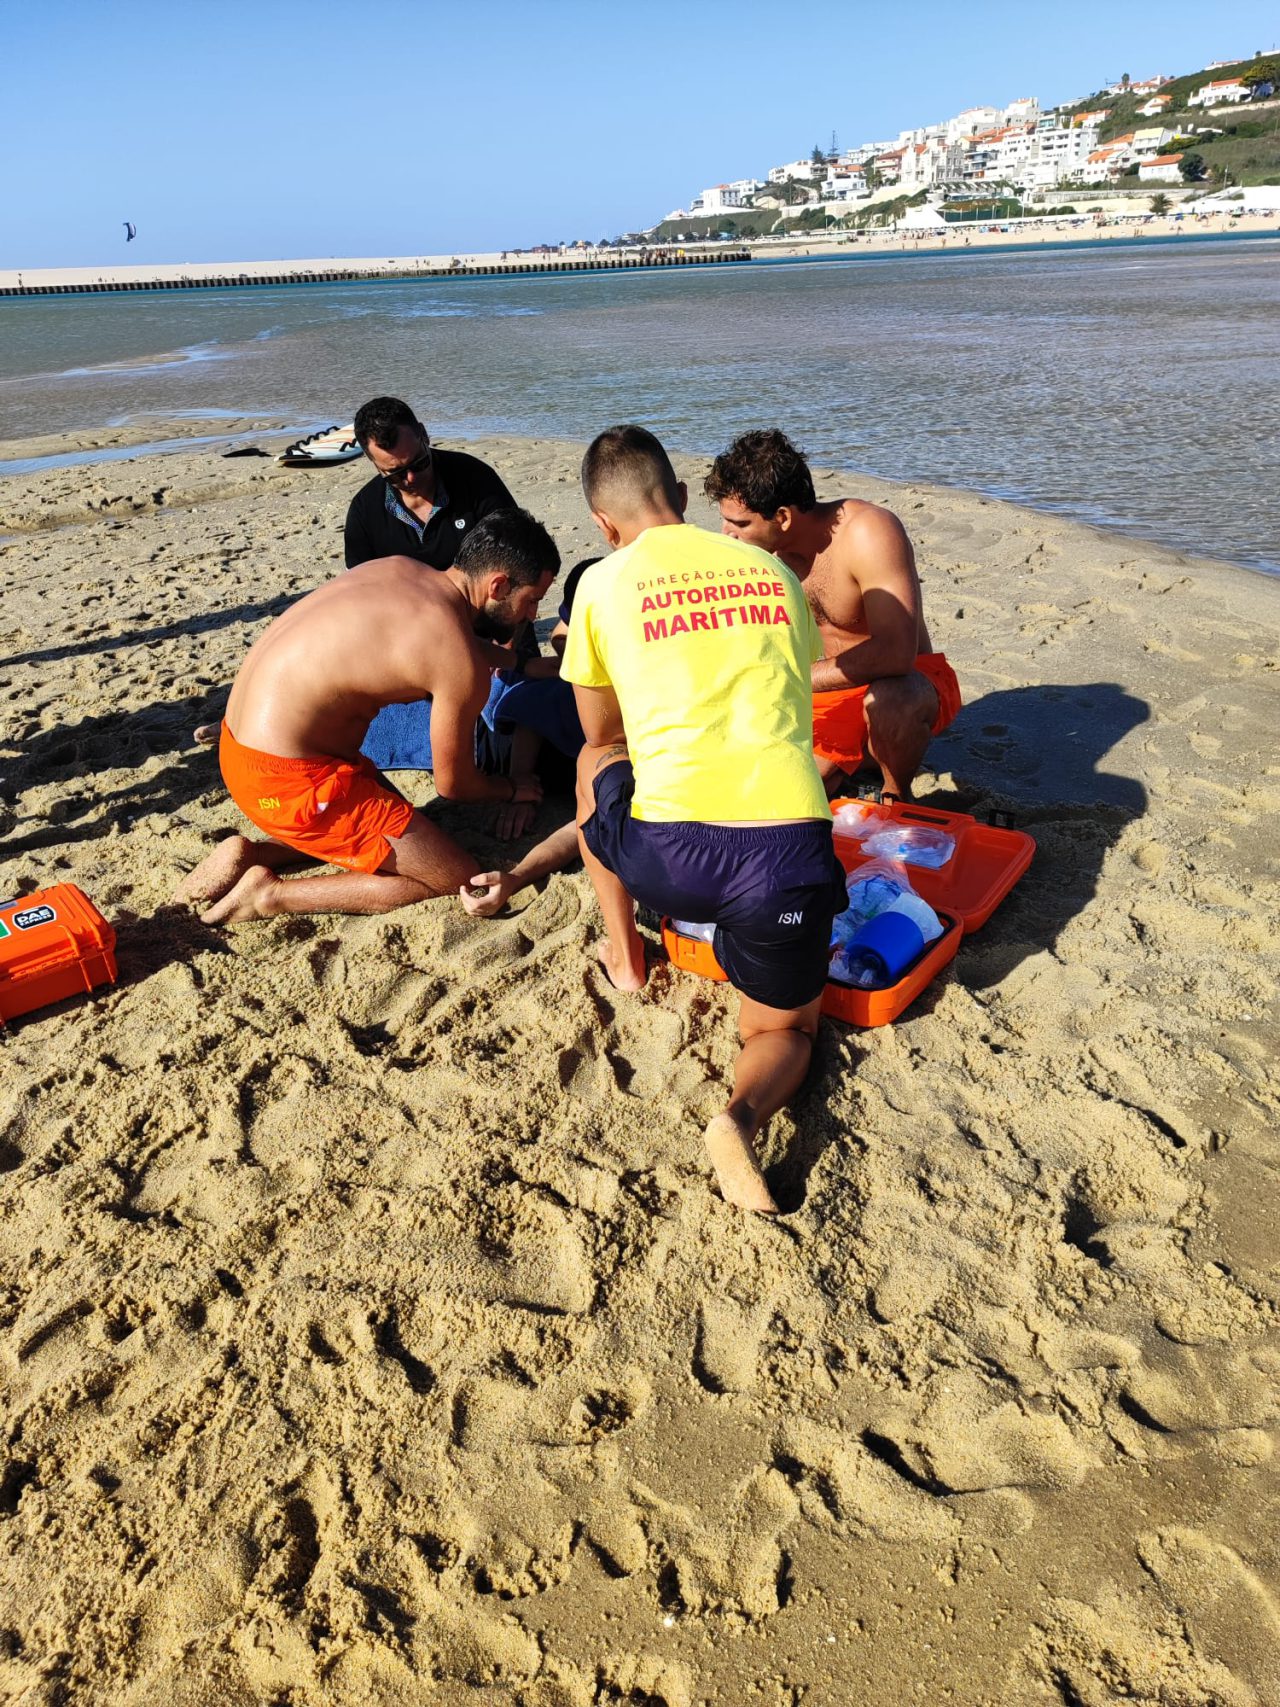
[269,803]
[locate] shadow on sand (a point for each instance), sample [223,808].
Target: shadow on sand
[70,756]
[180,626]
[1037,753]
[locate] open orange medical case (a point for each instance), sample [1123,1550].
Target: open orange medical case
[987,861]
[53,944]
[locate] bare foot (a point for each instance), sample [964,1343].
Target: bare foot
[208,734]
[221,871]
[625,973]
[734,1159]
[252,898]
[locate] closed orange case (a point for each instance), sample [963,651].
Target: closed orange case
[53,944]
[985,865]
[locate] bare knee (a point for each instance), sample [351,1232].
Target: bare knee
[786,1024]
[899,708]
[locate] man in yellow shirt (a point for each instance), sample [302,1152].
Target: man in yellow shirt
[698,794]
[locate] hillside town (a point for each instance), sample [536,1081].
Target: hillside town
[1020,151]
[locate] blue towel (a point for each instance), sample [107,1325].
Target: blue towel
[399,738]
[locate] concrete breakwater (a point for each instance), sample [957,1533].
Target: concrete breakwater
[211,278]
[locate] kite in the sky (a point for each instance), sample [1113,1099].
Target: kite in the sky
[131,230]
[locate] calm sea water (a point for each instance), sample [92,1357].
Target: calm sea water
[1132,387]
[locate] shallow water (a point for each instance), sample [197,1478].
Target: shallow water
[1128,387]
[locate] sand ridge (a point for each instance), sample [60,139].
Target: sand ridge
[370,1330]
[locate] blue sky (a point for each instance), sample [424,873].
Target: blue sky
[257,129]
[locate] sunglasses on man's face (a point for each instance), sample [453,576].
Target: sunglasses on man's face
[420,464]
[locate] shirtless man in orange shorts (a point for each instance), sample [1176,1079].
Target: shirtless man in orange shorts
[382,634]
[881,690]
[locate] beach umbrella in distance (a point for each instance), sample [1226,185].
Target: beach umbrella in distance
[130,232]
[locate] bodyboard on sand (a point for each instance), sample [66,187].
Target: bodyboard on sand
[333,444]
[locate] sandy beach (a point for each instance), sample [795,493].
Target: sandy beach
[370,1331]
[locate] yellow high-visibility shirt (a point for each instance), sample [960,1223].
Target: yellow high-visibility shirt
[708,643]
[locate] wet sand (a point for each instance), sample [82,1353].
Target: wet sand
[370,1330]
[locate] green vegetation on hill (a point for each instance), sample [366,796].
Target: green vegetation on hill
[1246,145]
[883,213]
[812,219]
[1123,109]
[985,210]
[1244,153]
[742,222]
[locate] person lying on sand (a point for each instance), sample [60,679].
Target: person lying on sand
[880,690]
[537,722]
[698,793]
[290,746]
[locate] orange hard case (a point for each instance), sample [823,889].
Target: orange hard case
[53,944]
[986,863]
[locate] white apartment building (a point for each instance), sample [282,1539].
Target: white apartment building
[1014,151]
[862,153]
[746,187]
[1025,110]
[1155,105]
[1101,164]
[971,121]
[923,164]
[718,199]
[1041,158]
[1151,140]
[844,184]
[802,169]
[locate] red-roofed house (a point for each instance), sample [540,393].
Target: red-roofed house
[1162,170]
[1225,92]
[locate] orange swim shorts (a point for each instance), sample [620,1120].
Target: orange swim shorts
[840,723]
[331,809]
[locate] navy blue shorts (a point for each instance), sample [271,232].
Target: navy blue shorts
[770,890]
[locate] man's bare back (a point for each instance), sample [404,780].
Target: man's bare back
[382,634]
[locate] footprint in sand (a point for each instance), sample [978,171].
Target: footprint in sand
[1126,1649]
[1232,1616]
[959,1442]
[848,1487]
[726,1346]
[738,1562]
[1184,1390]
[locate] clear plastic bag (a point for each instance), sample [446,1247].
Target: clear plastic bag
[859,818]
[910,844]
[700,933]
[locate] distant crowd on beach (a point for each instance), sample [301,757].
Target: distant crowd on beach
[705,697]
